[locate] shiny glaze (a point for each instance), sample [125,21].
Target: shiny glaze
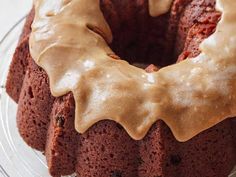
[69,41]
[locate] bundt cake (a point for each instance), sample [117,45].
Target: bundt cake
[64,117]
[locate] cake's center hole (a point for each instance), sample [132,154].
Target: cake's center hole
[137,37]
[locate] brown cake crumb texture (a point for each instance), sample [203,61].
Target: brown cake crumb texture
[106,150]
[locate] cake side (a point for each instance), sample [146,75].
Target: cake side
[19,61]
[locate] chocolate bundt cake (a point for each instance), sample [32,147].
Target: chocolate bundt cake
[48,116]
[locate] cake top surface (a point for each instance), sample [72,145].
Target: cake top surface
[189,97]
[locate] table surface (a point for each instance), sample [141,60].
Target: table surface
[10,12]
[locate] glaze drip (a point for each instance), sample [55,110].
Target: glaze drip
[190,96]
[159,7]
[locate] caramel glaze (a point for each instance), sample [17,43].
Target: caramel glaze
[159,7]
[69,41]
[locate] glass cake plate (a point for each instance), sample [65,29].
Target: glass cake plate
[16,158]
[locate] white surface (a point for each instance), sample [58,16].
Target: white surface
[10,12]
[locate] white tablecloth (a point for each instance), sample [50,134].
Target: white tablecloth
[10,12]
